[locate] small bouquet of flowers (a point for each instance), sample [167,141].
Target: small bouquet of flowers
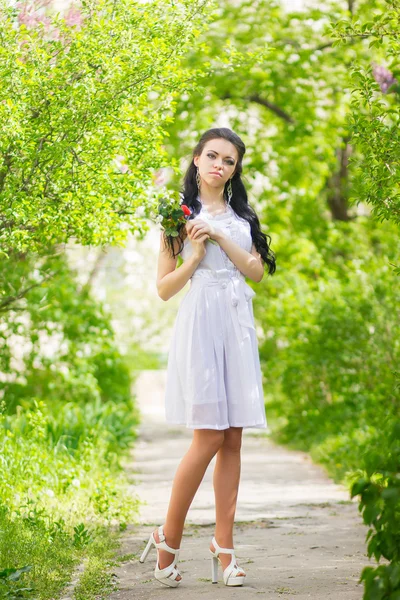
[171,213]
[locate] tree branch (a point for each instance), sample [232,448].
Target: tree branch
[10,223]
[337,184]
[271,106]
[96,267]
[5,169]
[263,102]
[4,306]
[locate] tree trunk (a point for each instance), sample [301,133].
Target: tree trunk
[338,184]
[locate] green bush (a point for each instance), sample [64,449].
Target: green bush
[67,422]
[330,348]
[379,489]
[330,355]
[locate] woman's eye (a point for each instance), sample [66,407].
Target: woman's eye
[212,156]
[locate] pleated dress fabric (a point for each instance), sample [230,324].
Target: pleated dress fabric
[213,374]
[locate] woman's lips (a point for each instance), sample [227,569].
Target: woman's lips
[217,174]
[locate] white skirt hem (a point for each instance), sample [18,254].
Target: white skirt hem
[218,428]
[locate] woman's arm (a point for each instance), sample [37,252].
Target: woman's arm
[170,280]
[249,263]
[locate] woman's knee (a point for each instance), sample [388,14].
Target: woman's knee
[209,440]
[233,439]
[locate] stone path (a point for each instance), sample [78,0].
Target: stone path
[297,534]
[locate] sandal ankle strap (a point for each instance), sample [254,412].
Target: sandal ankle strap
[163,544]
[218,548]
[161,535]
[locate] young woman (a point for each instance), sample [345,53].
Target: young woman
[213,376]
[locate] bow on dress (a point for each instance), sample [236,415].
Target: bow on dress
[239,295]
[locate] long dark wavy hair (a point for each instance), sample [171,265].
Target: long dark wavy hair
[239,200]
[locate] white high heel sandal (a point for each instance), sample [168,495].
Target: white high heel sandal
[168,575]
[230,574]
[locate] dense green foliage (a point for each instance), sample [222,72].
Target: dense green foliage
[330,353]
[379,489]
[375,117]
[69,353]
[331,343]
[68,419]
[84,100]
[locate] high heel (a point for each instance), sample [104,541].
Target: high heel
[230,574]
[168,575]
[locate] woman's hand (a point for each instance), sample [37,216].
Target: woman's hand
[198,233]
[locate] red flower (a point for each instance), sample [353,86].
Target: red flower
[186,210]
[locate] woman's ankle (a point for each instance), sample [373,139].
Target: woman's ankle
[224,540]
[172,539]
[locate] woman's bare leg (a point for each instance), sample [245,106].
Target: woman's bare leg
[226,486]
[190,472]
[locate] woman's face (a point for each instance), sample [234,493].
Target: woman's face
[218,156]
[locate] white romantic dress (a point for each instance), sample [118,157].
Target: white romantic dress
[213,374]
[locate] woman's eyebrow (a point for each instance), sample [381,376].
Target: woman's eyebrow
[217,153]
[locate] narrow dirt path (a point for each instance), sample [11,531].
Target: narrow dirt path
[297,534]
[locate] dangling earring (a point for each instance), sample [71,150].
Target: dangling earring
[229,190]
[198,179]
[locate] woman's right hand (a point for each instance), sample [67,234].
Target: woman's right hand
[198,243]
